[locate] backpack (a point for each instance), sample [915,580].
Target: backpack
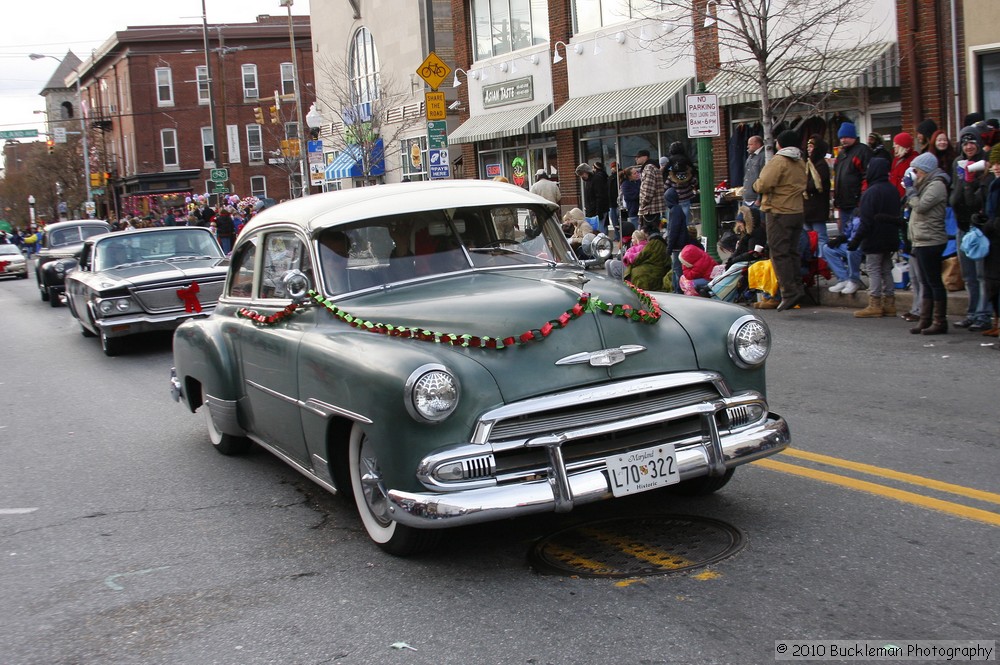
[975,245]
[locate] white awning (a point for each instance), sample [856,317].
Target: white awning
[509,122]
[643,101]
[869,66]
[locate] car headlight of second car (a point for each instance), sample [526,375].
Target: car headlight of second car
[114,306]
[431,393]
[749,341]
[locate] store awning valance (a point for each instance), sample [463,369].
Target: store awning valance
[643,101]
[349,163]
[509,122]
[868,66]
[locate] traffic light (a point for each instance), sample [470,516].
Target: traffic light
[51,145]
[107,177]
[258,115]
[95,179]
[275,116]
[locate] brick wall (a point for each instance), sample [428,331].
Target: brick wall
[926,72]
[561,30]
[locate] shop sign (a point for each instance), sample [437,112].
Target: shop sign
[508,92]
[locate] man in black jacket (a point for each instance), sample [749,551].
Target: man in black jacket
[849,173]
[968,196]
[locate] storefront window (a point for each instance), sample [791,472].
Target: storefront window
[989,76]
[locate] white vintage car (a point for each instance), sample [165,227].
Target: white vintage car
[12,262]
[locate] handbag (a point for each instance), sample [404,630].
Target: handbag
[975,245]
[951,274]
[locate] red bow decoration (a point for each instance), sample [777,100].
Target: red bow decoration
[3,265]
[190,297]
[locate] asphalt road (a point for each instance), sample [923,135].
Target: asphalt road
[126,539]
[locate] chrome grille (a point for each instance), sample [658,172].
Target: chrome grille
[165,299]
[603,412]
[479,467]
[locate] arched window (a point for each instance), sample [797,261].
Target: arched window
[66,111]
[364,68]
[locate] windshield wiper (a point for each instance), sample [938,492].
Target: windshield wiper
[190,258]
[507,249]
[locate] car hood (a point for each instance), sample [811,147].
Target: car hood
[155,272]
[61,252]
[509,303]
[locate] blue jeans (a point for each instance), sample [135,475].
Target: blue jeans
[846,214]
[686,207]
[843,263]
[972,273]
[675,261]
[821,234]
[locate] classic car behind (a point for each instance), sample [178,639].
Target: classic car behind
[12,262]
[61,247]
[436,351]
[143,281]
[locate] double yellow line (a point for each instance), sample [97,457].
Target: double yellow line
[921,500]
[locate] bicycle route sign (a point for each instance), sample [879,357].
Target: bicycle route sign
[433,70]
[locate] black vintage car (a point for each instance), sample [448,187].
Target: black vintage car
[60,252]
[143,281]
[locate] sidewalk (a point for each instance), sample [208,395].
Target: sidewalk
[958,301]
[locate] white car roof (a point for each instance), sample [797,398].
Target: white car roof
[319,211]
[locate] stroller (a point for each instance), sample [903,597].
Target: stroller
[731,284]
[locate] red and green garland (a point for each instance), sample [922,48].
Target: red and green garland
[649,313]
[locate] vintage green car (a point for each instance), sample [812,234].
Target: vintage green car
[436,350]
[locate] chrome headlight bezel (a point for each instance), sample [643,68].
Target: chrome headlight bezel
[748,342]
[420,389]
[105,307]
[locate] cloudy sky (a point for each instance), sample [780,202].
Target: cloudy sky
[54,27]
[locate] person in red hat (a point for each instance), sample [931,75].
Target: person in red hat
[902,154]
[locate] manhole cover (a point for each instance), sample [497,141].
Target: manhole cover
[636,546]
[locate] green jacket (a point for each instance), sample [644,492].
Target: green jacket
[650,265]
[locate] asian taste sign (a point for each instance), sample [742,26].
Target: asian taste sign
[508,92]
[703,115]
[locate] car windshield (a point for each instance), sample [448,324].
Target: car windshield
[9,249]
[161,245]
[73,234]
[420,244]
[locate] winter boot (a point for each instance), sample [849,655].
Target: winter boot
[889,305]
[925,316]
[873,311]
[940,324]
[994,330]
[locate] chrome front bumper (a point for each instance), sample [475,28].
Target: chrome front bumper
[429,510]
[120,326]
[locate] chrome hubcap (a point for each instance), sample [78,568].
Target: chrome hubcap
[373,488]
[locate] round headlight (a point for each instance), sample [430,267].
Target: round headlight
[749,341]
[431,393]
[106,306]
[602,247]
[123,305]
[59,268]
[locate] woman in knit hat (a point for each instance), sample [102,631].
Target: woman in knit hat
[928,198]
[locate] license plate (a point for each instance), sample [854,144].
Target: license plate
[641,470]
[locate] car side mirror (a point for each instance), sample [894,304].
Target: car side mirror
[296,284]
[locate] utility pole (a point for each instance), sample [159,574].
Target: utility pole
[211,99]
[304,187]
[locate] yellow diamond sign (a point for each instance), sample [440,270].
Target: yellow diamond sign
[433,71]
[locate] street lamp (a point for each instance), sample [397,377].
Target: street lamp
[31,210]
[83,128]
[304,188]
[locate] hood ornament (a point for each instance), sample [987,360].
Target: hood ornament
[602,358]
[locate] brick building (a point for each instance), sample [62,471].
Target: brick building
[151,110]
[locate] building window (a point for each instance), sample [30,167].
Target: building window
[255,143]
[989,84]
[364,68]
[295,185]
[168,140]
[502,26]
[595,14]
[258,186]
[207,145]
[413,154]
[201,75]
[250,87]
[291,130]
[287,79]
[164,87]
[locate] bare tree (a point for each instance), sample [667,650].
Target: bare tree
[791,53]
[369,118]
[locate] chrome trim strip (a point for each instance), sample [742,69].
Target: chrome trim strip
[308,473]
[434,510]
[319,407]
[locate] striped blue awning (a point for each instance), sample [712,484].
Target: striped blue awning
[349,163]
[644,101]
[869,66]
